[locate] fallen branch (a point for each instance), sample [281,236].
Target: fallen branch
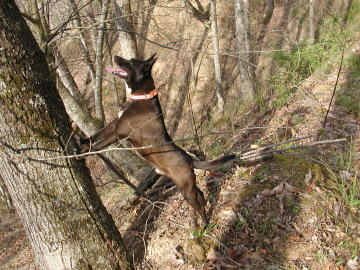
[268,151]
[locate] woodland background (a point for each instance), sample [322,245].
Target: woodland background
[244,73]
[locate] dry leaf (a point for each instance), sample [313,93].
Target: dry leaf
[284,188]
[173,262]
[308,177]
[257,255]
[352,264]
[263,251]
[328,265]
[231,252]
[212,256]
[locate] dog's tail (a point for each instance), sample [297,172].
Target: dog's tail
[212,165]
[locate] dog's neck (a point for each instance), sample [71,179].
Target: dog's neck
[150,95]
[147,91]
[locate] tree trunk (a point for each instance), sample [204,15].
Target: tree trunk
[127,39]
[83,43]
[143,30]
[312,21]
[99,45]
[63,216]
[64,74]
[217,66]
[243,46]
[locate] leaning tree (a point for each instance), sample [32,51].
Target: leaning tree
[64,218]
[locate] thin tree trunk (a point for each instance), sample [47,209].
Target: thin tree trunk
[99,46]
[145,28]
[64,74]
[84,46]
[63,216]
[112,79]
[269,11]
[312,21]
[127,39]
[243,46]
[217,66]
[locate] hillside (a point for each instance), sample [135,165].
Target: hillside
[298,208]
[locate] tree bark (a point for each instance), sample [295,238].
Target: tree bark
[99,46]
[83,43]
[217,66]
[127,39]
[243,46]
[143,30]
[312,21]
[63,216]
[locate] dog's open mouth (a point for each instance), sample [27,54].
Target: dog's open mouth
[117,72]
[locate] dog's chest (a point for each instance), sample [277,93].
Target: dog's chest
[136,115]
[121,112]
[127,89]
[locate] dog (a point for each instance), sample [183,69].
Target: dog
[141,122]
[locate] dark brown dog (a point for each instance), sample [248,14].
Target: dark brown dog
[140,120]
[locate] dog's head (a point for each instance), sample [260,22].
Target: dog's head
[135,72]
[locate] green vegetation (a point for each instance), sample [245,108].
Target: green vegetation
[199,232]
[304,59]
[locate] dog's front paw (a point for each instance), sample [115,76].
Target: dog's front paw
[85,141]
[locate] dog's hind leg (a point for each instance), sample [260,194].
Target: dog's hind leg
[187,187]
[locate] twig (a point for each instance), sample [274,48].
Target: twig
[118,173]
[146,147]
[335,87]
[259,153]
[273,145]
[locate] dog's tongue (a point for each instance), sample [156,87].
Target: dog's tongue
[116,70]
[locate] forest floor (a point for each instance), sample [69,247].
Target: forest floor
[296,210]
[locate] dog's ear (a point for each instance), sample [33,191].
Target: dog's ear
[150,62]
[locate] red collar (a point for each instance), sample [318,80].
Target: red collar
[152,94]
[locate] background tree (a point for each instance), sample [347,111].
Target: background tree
[63,216]
[244,50]
[217,67]
[125,26]
[312,21]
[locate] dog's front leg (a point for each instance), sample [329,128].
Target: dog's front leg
[106,141]
[101,133]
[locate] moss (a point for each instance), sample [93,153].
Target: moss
[196,249]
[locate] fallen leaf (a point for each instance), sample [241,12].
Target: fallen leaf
[353,210]
[308,177]
[352,264]
[283,188]
[212,256]
[231,252]
[291,188]
[328,265]
[295,238]
[263,251]
[346,175]
[245,258]
[257,255]
[173,262]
